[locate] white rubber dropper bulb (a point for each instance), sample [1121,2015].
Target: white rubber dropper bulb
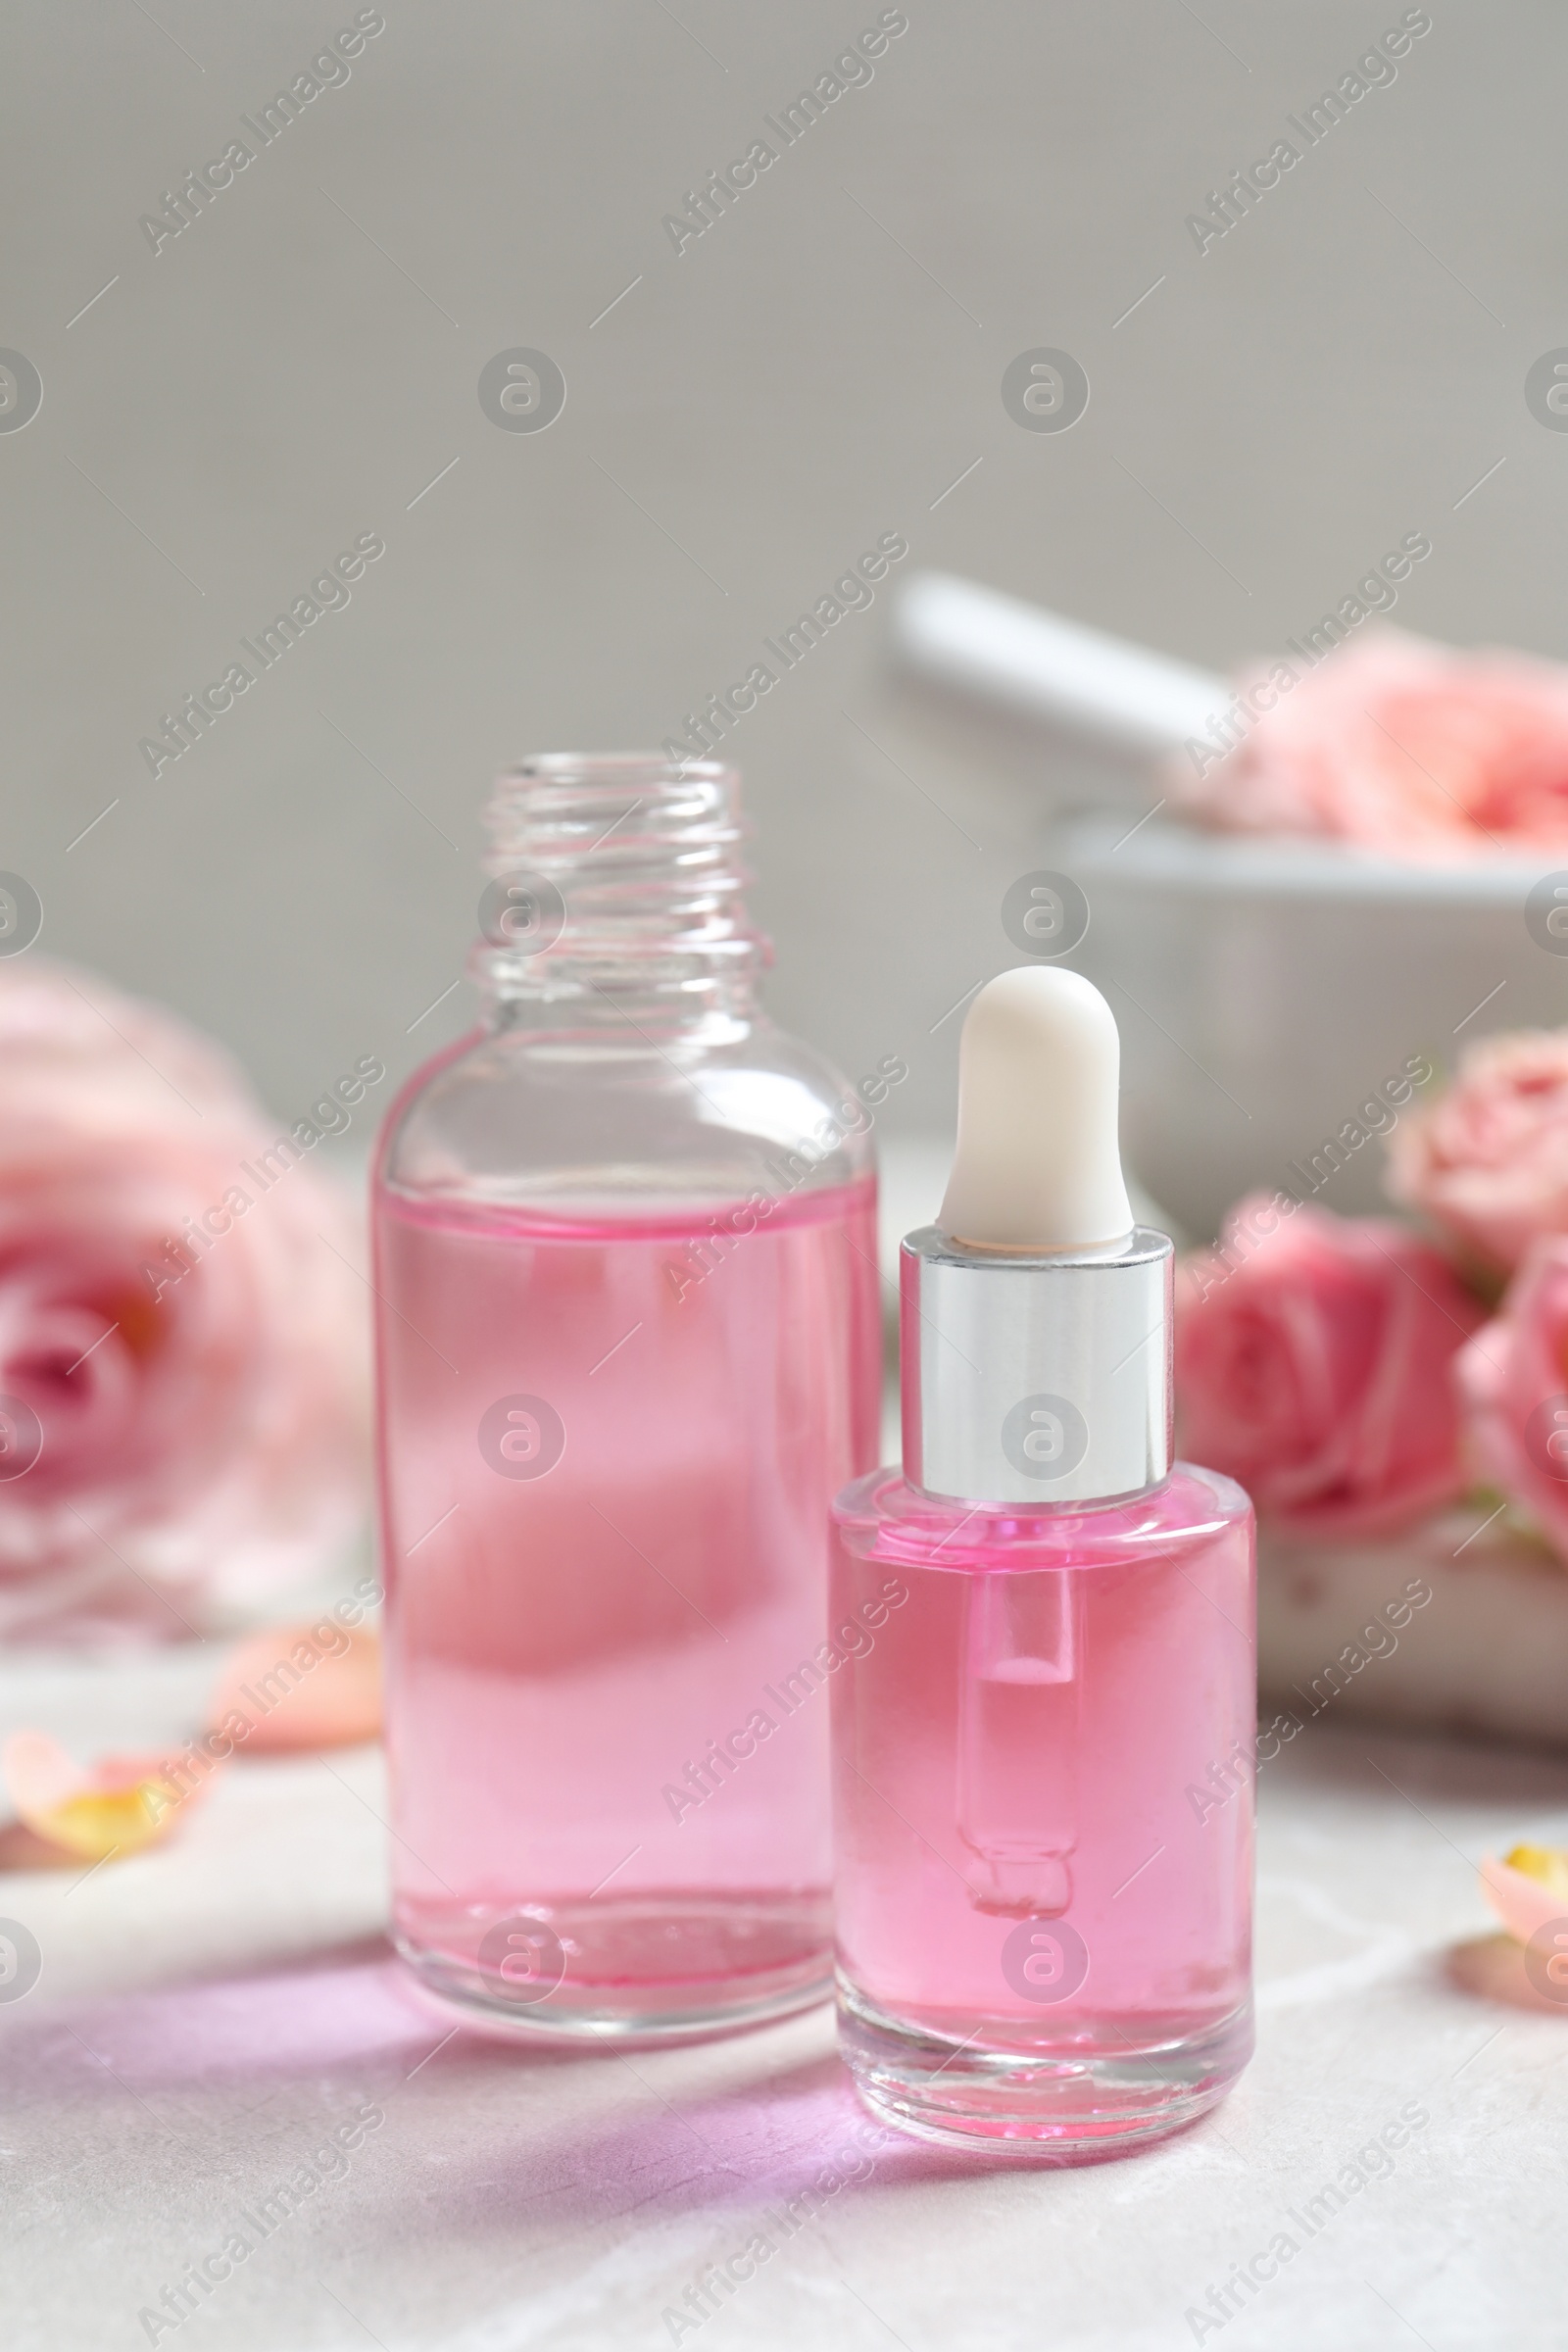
[1038,1164]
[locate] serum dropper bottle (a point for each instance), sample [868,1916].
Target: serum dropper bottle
[1043,1914]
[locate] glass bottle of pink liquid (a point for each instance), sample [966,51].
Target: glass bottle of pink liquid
[1044,1904]
[629,1348]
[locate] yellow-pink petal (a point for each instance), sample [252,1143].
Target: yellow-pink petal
[306,1686]
[1526,1900]
[115,1806]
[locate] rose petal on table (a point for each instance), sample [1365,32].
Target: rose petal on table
[116,1805]
[1547,1863]
[22,1848]
[38,1773]
[299,1686]
[1524,1899]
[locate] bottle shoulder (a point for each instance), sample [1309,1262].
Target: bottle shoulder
[883,1516]
[606,1112]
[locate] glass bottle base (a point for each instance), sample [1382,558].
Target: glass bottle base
[639,1970]
[1083,2099]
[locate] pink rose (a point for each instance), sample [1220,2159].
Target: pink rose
[1313,1364]
[1488,1162]
[182,1346]
[1513,1375]
[1398,744]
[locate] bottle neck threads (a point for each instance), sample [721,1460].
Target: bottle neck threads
[615,891]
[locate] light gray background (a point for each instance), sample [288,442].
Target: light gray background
[817,369]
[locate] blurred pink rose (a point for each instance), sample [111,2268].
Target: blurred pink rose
[182,1347]
[1314,1364]
[1398,744]
[1487,1160]
[1513,1376]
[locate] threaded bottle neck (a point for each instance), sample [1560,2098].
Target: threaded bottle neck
[615,885]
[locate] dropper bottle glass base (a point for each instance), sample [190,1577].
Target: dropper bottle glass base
[1043,1762]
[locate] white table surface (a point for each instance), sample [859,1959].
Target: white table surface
[208,2010]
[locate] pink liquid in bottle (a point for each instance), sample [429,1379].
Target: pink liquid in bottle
[1043,1795]
[606,1493]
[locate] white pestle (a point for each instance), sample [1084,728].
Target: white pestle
[1038,1164]
[1034,663]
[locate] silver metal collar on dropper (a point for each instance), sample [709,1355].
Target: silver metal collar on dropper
[1036,1365]
[1036,1380]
